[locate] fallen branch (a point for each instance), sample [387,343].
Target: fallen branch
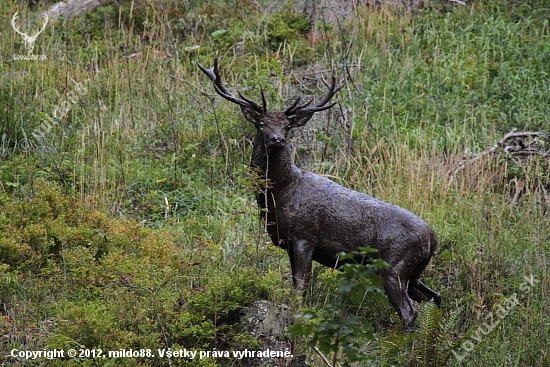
[511,144]
[458,2]
[322,356]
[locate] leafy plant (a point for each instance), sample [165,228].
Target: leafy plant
[286,26]
[330,328]
[431,344]
[131,213]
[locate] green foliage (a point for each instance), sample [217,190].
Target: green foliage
[286,26]
[329,327]
[431,344]
[132,223]
[99,283]
[10,127]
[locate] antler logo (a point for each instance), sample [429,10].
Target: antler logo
[29,40]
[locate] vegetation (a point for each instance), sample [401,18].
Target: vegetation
[333,329]
[127,217]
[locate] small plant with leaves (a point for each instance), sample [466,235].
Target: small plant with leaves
[329,329]
[432,342]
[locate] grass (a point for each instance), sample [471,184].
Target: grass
[132,223]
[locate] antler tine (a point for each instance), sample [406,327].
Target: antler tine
[264,104]
[303,109]
[295,107]
[214,75]
[13,19]
[331,92]
[43,26]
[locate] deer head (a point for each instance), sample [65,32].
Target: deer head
[273,126]
[29,40]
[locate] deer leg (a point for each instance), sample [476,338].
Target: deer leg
[396,290]
[420,292]
[301,257]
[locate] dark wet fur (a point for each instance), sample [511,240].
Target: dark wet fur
[313,218]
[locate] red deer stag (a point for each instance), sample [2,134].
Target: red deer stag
[313,218]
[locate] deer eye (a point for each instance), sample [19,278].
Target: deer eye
[288,127]
[261,125]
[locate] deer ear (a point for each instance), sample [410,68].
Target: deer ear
[300,120]
[250,115]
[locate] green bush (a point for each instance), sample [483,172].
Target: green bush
[94,282]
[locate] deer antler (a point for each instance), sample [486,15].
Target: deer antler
[13,19]
[214,75]
[36,33]
[303,109]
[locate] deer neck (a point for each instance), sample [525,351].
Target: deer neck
[275,166]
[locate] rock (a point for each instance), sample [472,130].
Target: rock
[73,8]
[267,322]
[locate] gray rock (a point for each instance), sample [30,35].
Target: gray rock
[267,322]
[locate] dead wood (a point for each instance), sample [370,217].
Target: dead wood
[515,144]
[523,149]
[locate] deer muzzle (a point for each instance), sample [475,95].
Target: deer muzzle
[275,141]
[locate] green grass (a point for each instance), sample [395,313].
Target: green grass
[132,223]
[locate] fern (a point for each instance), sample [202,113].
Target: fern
[430,345]
[448,330]
[429,324]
